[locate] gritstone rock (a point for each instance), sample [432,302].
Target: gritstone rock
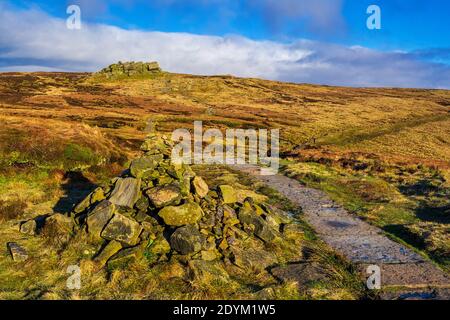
[160,213]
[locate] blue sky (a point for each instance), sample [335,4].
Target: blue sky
[407,24]
[326,36]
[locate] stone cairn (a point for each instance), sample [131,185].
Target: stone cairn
[130,69]
[160,211]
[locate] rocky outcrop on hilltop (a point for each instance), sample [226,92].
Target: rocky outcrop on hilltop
[160,212]
[130,69]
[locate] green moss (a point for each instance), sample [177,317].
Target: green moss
[77,153]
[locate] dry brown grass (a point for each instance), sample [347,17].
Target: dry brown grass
[11,210]
[55,122]
[399,124]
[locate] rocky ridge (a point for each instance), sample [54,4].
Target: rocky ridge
[130,69]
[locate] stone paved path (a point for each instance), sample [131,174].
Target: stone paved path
[356,240]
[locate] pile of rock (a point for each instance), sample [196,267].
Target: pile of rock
[130,69]
[159,211]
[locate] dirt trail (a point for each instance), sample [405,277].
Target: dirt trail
[360,242]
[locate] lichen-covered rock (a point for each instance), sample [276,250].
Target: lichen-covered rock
[159,246]
[210,255]
[130,69]
[144,166]
[187,240]
[107,252]
[17,252]
[94,197]
[99,217]
[122,229]
[278,215]
[228,194]
[142,204]
[261,228]
[229,216]
[126,192]
[164,196]
[188,213]
[29,227]
[200,187]
[125,257]
[156,145]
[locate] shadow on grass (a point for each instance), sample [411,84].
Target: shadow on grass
[76,187]
[423,187]
[439,214]
[403,233]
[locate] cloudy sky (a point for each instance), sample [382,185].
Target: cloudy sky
[320,41]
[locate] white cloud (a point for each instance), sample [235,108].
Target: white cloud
[32,39]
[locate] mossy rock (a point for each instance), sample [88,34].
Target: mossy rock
[164,196]
[187,240]
[122,229]
[261,228]
[107,252]
[96,196]
[125,257]
[200,187]
[156,248]
[188,213]
[144,166]
[228,194]
[29,227]
[98,218]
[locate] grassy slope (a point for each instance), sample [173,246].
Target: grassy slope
[55,124]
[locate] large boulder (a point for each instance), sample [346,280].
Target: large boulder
[122,229]
[188,213]
[187,240]
[126,192]
[164,196]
